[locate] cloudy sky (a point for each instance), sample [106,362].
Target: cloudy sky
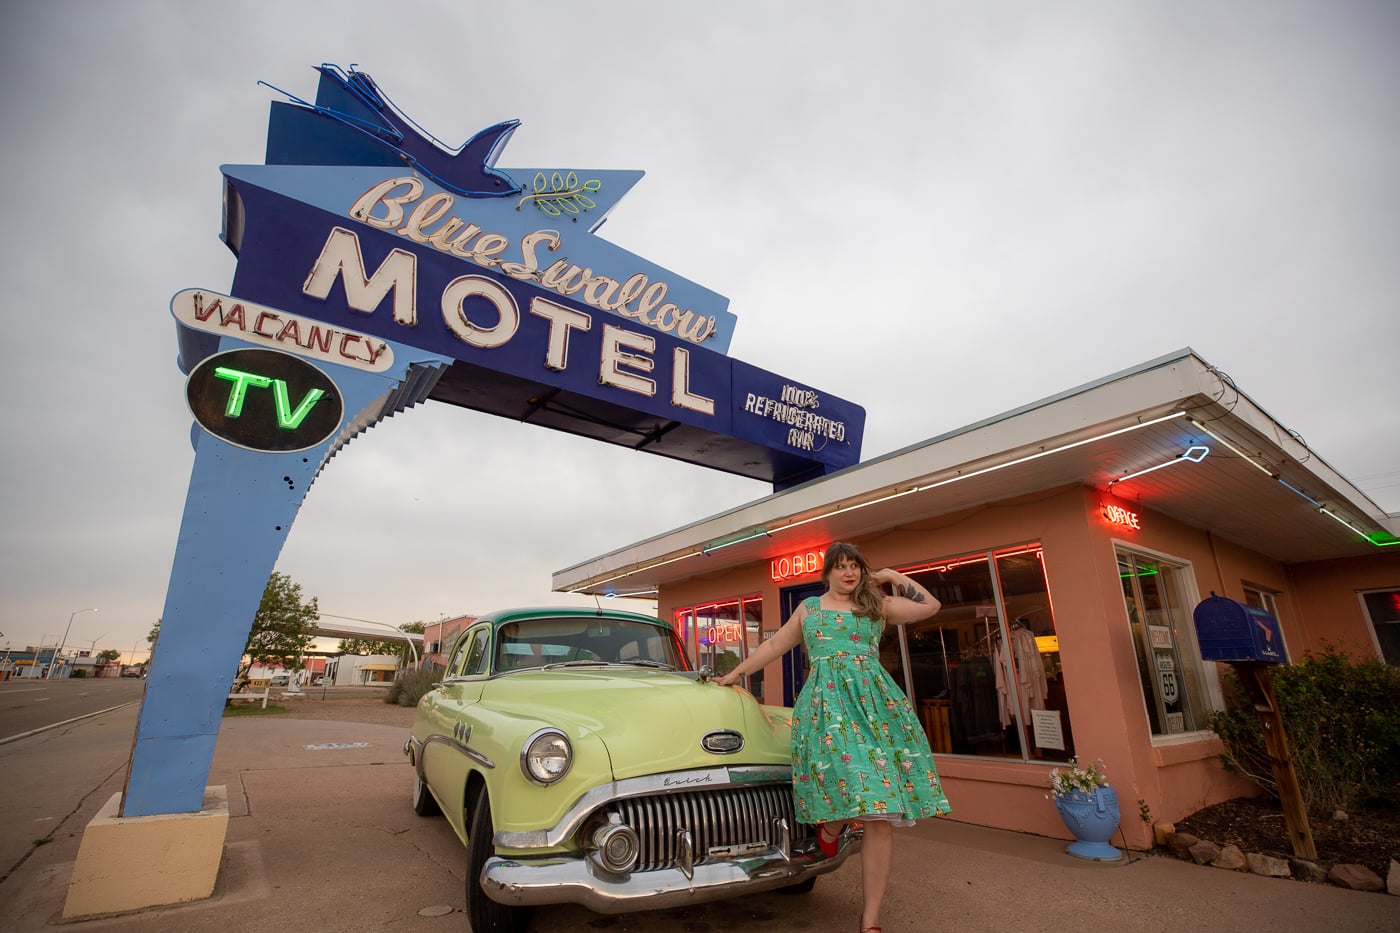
[937,210]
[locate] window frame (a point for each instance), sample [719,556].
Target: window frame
[990,559]
[689,621]
[1184,645]
[1371,620]
[461,652]
[1266,599]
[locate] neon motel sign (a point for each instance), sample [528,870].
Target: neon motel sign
[377,270]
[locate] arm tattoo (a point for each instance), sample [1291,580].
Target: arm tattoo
[909,592]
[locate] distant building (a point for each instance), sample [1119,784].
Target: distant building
[438,638]
[32,662]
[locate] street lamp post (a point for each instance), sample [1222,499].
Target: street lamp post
[63,644]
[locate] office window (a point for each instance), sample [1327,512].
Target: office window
[1382,609]
[1260,598]
[720,634]
[1169,663]
[984,673]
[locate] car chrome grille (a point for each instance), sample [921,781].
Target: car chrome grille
[723,817]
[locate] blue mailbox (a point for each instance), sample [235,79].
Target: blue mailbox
[1230,631]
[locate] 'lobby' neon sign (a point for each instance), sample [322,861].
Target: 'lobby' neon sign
[795,565]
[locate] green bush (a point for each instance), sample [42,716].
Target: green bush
[408,688]
[1342,719]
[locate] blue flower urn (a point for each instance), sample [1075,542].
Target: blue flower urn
[1092,816]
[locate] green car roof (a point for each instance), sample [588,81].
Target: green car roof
[502,616]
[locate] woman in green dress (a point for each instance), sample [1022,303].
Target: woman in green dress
[859,753]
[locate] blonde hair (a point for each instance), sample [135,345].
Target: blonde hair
[867,600]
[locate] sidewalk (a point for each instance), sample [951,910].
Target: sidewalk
[321,838]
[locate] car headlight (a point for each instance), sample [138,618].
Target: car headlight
[547,756]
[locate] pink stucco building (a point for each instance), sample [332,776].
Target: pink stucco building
[1069,542]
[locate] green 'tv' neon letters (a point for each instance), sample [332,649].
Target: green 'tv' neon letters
[286,417]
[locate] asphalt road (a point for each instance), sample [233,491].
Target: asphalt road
[26,705]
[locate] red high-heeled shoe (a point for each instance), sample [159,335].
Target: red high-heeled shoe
[828,847]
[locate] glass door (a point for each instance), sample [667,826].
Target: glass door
[795,661]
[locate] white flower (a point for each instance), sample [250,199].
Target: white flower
[1076,778]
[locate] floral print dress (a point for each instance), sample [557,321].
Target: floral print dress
[857,747]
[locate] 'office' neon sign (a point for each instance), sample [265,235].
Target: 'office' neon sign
[1123,518]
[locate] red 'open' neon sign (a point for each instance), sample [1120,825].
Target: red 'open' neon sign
[724,633]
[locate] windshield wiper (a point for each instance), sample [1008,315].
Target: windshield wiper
[648,662]
[550,667]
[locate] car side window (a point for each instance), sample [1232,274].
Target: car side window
[459,653]
[475,660]
[466,656]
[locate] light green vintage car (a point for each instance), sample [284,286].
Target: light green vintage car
[581,760]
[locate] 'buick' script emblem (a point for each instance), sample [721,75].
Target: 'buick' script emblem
[677,782]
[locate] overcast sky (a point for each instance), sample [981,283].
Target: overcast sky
[937,210]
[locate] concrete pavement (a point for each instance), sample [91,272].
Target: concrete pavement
[321,838]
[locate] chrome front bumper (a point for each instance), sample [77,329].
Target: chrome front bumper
[577,880]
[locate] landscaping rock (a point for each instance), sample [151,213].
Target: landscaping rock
[1355,877]
[1392,878]
[1204,852]
[1161,830]
[1305,870]
[1268,866]
[1181,843]
[1231,858]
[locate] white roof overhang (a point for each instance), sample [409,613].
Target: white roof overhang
[1259,485]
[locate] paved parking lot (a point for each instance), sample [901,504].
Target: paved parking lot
[321,838]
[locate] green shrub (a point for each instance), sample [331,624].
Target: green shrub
[1342,719]
[408,688]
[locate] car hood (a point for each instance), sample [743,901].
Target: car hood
[649,721]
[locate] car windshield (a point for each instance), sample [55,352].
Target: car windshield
[584,642]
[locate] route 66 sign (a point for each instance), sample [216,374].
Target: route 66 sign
[1170,691]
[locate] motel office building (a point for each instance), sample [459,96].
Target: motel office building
[1069,542]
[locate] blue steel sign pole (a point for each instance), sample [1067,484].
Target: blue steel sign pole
[378,269]
[239,509]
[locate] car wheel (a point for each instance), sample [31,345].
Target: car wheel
[424,804]
[484,914]
[802,887]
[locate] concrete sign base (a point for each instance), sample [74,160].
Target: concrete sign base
[130,863]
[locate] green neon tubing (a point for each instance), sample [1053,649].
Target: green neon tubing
[241,381]
[286,418]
